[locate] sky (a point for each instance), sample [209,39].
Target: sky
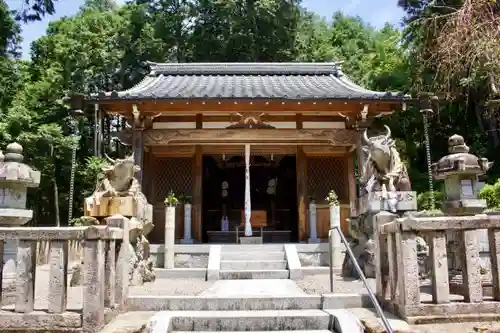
[375,12]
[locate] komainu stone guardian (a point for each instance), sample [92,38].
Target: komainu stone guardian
[383,170]
[118,192]
[388,190]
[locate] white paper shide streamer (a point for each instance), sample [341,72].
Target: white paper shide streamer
[248,208]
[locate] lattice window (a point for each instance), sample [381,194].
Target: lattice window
[324,174]
[172,174]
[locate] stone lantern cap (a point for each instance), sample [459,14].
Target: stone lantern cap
[14,171]
[459,161]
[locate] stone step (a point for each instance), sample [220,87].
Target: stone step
[252,247]
[291,331]
[252,264]
[266,320]
[271,255]
[254,274]
[215,303]
[180,273]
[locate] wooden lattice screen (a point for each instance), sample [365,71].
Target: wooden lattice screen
[325,173]
[172,174]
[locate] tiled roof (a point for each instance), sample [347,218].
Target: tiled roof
[247,80]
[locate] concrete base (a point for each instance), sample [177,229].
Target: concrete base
[314,240]
[250,240]
[187,241]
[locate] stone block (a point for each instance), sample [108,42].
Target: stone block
[13,197]
[213,268]
[375,202]
[97,210]
[125,206]
[293,261]
[250,240]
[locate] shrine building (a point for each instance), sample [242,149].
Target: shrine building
[189,124]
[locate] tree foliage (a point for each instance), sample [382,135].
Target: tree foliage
[105,47]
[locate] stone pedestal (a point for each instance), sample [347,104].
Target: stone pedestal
[362,227]
[169,237]
[313,233]
[375,202]
[187,225]
[336,246]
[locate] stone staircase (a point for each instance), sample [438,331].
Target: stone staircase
[253,262]
[240,306]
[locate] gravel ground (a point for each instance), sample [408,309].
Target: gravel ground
[320,283]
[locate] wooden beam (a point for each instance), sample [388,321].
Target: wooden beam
[299,121]
[302,193]
[234,118]
[223,106]
[162,137]
[199,121]
[197,193]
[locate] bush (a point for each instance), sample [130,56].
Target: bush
[491,193]
[424,200]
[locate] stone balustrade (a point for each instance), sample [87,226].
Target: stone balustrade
[403,292]
[104,286]
[43,251]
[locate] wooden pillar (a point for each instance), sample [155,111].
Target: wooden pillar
[197,193]
[138,150]
[351,183]
[302,193]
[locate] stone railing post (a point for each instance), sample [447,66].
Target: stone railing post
[439,264]
[99,285]
[93,284]
[408,277]
[494,243]
[381,255]
[122,270]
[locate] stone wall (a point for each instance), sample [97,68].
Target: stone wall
[313,255]
[186,256]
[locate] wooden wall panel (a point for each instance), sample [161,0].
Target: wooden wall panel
[169,174]
[157,236]
[326,173]
[323,220]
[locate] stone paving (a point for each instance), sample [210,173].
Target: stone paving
[320,283]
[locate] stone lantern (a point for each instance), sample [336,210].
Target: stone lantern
[15,178]
[460,171]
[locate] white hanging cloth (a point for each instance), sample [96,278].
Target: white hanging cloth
[248,206]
